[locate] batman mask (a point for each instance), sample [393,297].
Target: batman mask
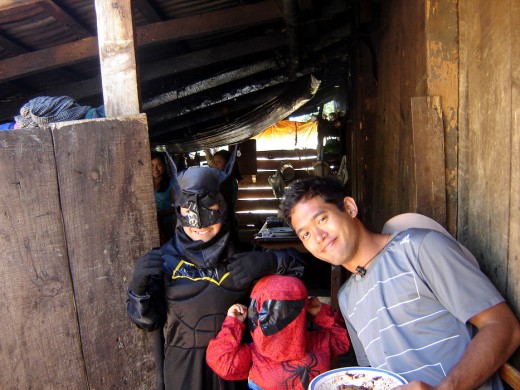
[199,190]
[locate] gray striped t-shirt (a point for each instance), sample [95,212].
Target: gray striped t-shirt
[409,312]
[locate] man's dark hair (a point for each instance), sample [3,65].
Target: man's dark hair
[329,188]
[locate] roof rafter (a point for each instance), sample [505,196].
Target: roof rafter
[150,72]
[183,28]
[63,17]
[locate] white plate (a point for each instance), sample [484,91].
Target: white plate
[357,376]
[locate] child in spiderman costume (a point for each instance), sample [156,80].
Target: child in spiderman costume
[186,286]
[284,355]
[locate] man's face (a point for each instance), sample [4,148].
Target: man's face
[204,233]
[327,232]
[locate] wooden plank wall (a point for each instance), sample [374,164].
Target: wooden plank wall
[489,172]
[75,216]
[385,148]
[40,339]
[442,70]
[465,52]
[414,60]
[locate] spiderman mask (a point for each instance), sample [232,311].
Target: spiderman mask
[274,315]
[277,316]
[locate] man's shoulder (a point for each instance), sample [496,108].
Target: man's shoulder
[418,235]
[415,240]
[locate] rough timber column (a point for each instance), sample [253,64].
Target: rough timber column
[117,57]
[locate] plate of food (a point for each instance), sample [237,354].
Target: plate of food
[357,378]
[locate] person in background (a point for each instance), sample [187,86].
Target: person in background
[162,186]
[229,188]
[414,304]
[283,354]
[187,285]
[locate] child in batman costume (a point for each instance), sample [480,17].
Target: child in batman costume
[283,354]
[188,284]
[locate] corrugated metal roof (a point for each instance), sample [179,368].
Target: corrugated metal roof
[221,66]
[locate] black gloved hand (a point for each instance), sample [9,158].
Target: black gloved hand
[147,266]
[248,266]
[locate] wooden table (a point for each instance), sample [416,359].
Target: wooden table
[270,239]
[279,243]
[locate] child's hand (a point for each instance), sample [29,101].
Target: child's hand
[314,306]
[238,311]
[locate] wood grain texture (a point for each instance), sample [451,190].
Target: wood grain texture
[513,283]
[428,147]
[488,138]
[442,66]
[510,375]
[40,339]
[388,143]
[104,173]
[117,57]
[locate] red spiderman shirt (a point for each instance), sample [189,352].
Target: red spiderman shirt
[284,355]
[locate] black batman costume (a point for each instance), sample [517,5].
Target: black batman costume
[187,286]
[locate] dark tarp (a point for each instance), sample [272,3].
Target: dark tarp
[245,125]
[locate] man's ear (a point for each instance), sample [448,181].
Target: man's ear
[350,206]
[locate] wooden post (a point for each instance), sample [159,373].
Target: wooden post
[428,147]
[117,57]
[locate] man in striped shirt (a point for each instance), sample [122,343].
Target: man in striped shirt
[415,304]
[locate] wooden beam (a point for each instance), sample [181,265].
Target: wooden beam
[48,59]
[209,23]
[117,58]
[254,194]
[170,118]
[214,55]
[9,45]
[282,154]
[149,13]
[212,82]
[10,4]
[510,375]
[73,27]
[258,204]
[187,62]
[172,30]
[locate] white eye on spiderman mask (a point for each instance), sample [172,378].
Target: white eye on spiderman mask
[197,189]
